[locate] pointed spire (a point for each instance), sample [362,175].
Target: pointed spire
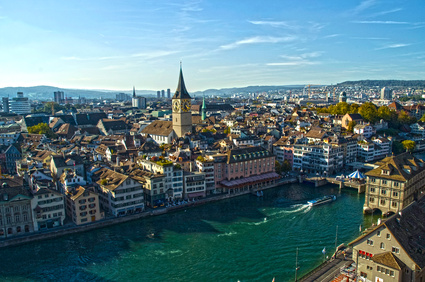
[204,109]
[181,92]
[134,92]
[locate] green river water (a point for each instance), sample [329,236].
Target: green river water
[244,238]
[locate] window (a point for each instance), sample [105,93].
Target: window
[382,246]
[394,204]
[395,250]
[382,202]
[17,219]
[378,233]
[372,200]
[372,190]
[388,236]
[369,242]
[383,192]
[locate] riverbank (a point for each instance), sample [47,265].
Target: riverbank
[66,230]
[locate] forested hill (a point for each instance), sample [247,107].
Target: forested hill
[385,83]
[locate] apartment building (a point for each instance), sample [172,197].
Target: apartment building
[394,184]
[395,249]
[206,165]
[322,158]
[48,208]
[119,194]
[82,205]
[173,175]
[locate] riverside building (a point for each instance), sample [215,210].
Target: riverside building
[394,184]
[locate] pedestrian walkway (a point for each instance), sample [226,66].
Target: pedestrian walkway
[329,270]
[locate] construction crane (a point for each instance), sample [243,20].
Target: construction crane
[309,89]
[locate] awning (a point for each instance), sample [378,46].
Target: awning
[251,179]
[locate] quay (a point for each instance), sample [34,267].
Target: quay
[65,230]
[321,181]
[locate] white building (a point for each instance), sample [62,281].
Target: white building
[173,176]
[364,129]
[321,158]
[20,105]
[48,209]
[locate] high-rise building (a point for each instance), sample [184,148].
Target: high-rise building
[139,102]
[58,97]
[158,94]
[20,105]
[168,93]
[162,93]
[5,101]
[182,113]
[386,93]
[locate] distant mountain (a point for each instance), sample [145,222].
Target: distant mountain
[247,89]
[385,83]
[46,92]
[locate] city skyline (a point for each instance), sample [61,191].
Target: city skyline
[115,45]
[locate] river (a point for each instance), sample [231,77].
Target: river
[244,238]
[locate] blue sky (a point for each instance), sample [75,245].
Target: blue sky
[117,44]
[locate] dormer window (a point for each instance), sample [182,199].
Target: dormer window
[407,170]
[385,172]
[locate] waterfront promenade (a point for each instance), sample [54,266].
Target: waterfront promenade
[72,229]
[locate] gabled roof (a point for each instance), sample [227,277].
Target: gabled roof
[397,166]
[388,259]
[181,92]
[159,127]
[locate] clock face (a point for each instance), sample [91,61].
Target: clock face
[186,106]
[176,106]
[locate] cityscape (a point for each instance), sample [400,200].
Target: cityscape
[289,166]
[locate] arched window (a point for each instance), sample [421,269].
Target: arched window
[18,229]
[1,232]
[27,228]
[9,231]
[382,246]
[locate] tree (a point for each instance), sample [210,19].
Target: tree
[41,128]
[277,167]
[351,126]
[286,166]
[354,109]
[409,145]
[227,130]
[342,108]
[384,113]
[368,112]
[397,148]
[404,118]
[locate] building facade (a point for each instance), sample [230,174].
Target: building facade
[394,184]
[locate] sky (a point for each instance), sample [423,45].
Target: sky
[116,45]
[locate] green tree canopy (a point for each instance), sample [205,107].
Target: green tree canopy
[41,128]
[351,125]
[384,113]
[409,145]
[368,112]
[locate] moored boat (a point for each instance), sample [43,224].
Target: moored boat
[321,200]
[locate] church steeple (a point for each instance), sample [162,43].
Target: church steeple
[204,109]
[181,92]
[134,92]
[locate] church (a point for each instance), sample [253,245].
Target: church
[165,132]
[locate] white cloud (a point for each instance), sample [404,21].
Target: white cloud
[380,22]
[273,23]
[256,40]
[399,45]
[293,63]
[364,5]
[386,12]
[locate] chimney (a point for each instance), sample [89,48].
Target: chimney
[191,166]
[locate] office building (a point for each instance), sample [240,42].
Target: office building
[58,97]
[158,94]
[5,102]
[162,93]
[20,105]
[168,93]
[386,93]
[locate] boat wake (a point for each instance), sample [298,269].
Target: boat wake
[304,208]
[227,234]
[166,253]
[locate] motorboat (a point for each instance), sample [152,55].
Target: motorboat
[322,200]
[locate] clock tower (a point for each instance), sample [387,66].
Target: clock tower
[181,104]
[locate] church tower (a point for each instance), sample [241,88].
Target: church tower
[182,113]
[203,110]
